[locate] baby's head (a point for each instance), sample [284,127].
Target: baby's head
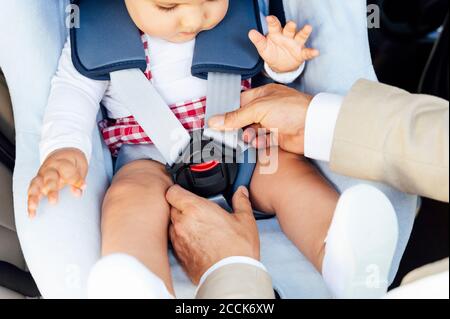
[176,20]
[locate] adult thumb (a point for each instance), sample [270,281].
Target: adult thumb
[241,202]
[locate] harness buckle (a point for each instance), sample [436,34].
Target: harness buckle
[206,167]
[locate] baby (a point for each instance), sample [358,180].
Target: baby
[135,213]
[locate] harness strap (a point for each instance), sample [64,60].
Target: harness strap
[158,121]
[223,95]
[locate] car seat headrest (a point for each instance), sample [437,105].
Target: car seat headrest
[108,40]
[227,47]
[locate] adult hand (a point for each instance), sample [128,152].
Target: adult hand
[278,109]
[202,233]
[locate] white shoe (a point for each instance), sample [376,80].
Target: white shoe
[360,245]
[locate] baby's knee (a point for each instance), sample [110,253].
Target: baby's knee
[144,171]
[137,180]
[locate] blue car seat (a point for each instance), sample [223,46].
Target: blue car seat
[29,62]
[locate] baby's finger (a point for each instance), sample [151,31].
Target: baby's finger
[36,185]
[274,25]
[258,40]
[34,195]
[77,192]
[309,54]
[53,197]
[51,181]
[303,35]
[33,202]
[290,30]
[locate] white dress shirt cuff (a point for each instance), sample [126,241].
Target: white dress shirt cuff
[229,261]
[320,124]
[286,77]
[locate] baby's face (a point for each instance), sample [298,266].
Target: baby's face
[176,20]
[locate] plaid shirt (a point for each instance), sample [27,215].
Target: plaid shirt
[191,114]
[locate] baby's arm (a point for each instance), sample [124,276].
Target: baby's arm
[283,50]
[66,141]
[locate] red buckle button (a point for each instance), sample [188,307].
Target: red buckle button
[204,167]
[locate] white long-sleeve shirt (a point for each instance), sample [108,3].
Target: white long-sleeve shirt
[73,105]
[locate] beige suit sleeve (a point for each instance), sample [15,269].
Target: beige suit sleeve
[389,135]
[237,281]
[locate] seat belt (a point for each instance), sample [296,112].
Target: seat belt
[160,123]
[223,96]
[157,121]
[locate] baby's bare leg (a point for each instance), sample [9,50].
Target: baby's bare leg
[135,217]
[302,199]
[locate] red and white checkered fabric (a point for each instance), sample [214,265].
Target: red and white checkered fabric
[191,114]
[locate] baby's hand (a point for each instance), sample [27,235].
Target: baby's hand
[65,167]
[283,49]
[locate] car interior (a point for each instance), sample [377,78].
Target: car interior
[410,51]
[12,261]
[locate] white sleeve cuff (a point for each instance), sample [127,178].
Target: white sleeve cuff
[229,261]
[320,124]
[59,132]
[286,77]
